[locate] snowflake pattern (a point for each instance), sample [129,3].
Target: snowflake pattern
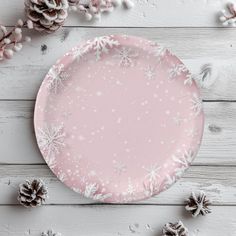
[92,191]
[150,73]
[125,56]
[151,188]
[51,139]
[152,172]
[159,52]
[101,45]
[197,104]
[176,70]
[157,176]
[56,77]
[184,159]
[119,167]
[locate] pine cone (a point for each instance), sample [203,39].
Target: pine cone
[175,229]
[73,2]
[46,15]
[198,205]
[32,193]
[50,233]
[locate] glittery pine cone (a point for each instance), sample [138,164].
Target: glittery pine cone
[46,15]
[32,193]
[175,229]
[198,205]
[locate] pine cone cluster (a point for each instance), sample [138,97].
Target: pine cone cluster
[46,15]
[198,205]
[175,229]
[32,193]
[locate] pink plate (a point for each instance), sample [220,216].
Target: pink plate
[118,118]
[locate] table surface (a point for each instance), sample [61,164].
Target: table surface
[191,30]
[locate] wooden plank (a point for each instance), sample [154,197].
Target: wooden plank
[16,130]
[219,183]
[146,13]
[21,77]
[111,220]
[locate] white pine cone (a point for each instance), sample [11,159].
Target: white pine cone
[50,233]
[175,229]
[198,205]
[46,15]
[32,193]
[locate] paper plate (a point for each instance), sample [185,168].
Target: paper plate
[118,118]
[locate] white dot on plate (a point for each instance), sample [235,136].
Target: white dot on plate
[119,120]
[99,93]
[167,112]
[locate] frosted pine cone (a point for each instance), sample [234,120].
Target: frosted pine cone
[32,193]
[50,233]
[46,15]
[175,229]
[198,205]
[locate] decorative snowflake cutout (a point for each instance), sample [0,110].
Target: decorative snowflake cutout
[92,191]
[56,77]
[197,104]
[125,56]
[51,139]
[176,70]
[150,73]
[152,172]
[101,45]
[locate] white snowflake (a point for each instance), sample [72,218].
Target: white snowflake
[51,139]
[150,73]
[159,52]
[119,168]
[197,104]
[184,159]
[101,45]
[189,79]
[176,70]
[169,180]
[152,172]
[78,52]
[62,176]
[151,188]
[91,191]
[178,120]
[129,194]
[56,78]
[125,56]
[51,161]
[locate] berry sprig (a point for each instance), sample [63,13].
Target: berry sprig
[12,41]
[228,16]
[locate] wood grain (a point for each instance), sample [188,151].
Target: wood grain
[219,183]
[146,13]
[111,220]
[21,77]
[16,130]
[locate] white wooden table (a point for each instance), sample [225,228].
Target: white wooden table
[190,29]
